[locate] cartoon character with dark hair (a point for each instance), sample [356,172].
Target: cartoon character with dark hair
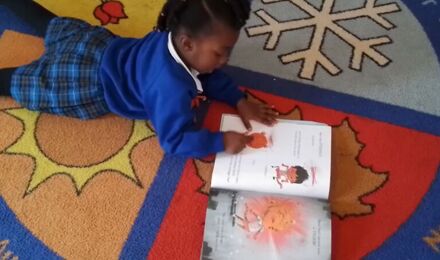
[290,174]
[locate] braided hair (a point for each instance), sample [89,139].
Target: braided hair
[197,16]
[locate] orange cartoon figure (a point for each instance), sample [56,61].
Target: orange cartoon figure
[290,174]
[259,140]
[271,216]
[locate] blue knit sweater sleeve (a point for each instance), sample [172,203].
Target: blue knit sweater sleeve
[169,107]
[221,87]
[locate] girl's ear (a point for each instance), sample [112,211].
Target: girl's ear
[186,42]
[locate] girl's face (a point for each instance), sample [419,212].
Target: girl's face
[292,175]
[210,52]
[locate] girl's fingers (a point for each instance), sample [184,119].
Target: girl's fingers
[267,120]
[266,114]
[248,139]
[272,112]
[272,117]
[272,121]
[247,124]
[265,106]
[268,108]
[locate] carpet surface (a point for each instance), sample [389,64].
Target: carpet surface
[103,189]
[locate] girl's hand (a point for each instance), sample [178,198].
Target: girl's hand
[235,142]
[262,113]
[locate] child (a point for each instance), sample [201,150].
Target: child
[87,71]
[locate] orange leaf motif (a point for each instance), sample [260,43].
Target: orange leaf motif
[350,180]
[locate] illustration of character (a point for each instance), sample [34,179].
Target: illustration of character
[274,216]
[290,174]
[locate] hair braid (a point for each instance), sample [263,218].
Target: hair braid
[196,16]
[169,16]
[241,10]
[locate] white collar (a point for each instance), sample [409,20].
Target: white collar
[194,73]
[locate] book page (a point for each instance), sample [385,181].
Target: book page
[292,157]
[247,225]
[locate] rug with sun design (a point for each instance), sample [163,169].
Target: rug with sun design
[104,189]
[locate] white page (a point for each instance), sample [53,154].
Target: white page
[247,225]
[298,148]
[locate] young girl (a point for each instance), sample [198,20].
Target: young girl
[86,72]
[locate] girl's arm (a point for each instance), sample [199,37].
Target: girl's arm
[172,118]
[221,87]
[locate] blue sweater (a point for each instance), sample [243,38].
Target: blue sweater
[143,81]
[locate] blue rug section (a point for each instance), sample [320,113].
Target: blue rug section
[21,242]
[154,208]
[11,22]
[428,14]
[407,242]
[338,101]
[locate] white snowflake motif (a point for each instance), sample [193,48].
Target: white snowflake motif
[323,20]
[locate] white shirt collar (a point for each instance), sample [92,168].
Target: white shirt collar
[194,73]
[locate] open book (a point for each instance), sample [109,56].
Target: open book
[270,200]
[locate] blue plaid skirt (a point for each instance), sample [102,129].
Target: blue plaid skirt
[65,80]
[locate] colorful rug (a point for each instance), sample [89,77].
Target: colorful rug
[103,189]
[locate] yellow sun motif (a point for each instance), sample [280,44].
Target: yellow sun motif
[44,168]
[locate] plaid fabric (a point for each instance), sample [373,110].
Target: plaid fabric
[65,80]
